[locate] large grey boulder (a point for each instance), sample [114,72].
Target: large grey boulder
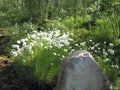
[81,72]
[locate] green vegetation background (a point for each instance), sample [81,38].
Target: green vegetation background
[97,20]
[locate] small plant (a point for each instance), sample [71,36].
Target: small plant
[42,53]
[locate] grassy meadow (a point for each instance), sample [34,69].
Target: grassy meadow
[40,38]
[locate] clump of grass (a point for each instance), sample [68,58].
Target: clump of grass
[42,52]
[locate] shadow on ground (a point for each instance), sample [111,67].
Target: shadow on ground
[10,80]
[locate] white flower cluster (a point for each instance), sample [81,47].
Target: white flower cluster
[46,40]
[20,46]
[115,66]
[102,49]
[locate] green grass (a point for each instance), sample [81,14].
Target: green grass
[93,26]
[43,61]
[41,55]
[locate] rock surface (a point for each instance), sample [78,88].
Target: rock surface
[81,72]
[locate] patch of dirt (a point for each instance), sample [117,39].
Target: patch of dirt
[4,39]
[4,61]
